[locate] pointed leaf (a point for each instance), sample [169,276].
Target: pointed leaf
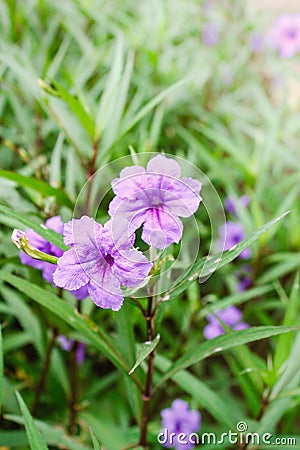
[22,221]
[143,351]
[220,343]
[35,439]
[206,266]
[39,186]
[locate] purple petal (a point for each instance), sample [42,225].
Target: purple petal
[105,290]
[161,229]
[182,197]
[230,315]
[80,293]
[83,233]
[28,261]
[80,354]
[48,271]
[166,166]
[117,234]
[128,182]
[131,267]
[241,326]
[65,343]
[212,330]
[70,273]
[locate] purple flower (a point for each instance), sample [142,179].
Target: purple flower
[231,233]
[256,42]
[101,259]
[230,316]
[176,420]
[285,35]
[243,277]
[54,223]
[155,198]
[232,203]
[67,345]
[210,34]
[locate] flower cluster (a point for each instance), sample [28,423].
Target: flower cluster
[102,259]
[285,35]
[178,421]
[231,317]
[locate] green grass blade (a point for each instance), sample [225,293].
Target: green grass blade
[40,186]
[89,330]
[208,265]
[22,221]
[1,367]
[222,343]
[35,439]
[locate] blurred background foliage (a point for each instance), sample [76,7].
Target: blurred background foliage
[197,79]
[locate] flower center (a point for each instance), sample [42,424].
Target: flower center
[109,259]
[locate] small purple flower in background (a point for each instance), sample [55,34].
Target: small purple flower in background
[231,233]
[67,345]
[179,418]
[285,35]
[100,259]
[155,198]
[210,34]
[243,277]
[231,203]
[54,223]
[230,316]
[256,42]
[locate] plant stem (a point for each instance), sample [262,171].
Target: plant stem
[44,372]
[147,394]
[89,174]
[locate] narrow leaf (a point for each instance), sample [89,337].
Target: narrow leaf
[22,221]
[143,351]
[35,439]
[40,186]
[206,266]
[93,333]
[222,343]
[1,367]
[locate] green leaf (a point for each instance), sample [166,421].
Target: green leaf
[220,344]
[109,434]
[1,367]
[284,344]
[35,439]
[40,186]
[206,266]
[56,90]
[20,220]
[95,441]
[143,350]
[53,435]
[89,329]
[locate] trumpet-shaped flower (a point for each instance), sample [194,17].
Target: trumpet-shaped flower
[177,421]
[101,259]
[155,198]
[285,35]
